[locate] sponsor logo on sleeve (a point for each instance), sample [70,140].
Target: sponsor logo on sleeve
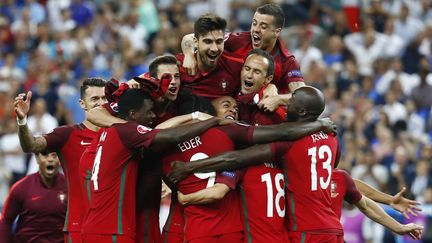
[295,73]
[228,174]
[143,129]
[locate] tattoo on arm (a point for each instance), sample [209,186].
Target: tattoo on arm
[28,142]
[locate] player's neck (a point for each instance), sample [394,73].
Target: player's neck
[161,107]
[271,47]
[48,182]
[204,68]
[90,125]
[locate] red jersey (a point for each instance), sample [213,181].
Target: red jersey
[287,69]
[223,216]
[309,164]
[114,177]
[69,142]
[343,188]
[224,80]
[41,211]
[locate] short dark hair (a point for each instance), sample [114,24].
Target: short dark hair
[265,54]
[160,60]
[131,99]
[207,23]
[275,11]
[188,103]
[91,82]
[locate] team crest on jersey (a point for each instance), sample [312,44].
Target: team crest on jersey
[334,189]
[143,129]
[295,73]
[114,106]
[62,197]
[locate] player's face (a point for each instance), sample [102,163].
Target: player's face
[263,32]
[94,96]
[174,86]
[291,109]
[210,46]
[253,74]
[145,115]
[226,107]
[48,165]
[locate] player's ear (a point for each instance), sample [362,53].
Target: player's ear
[268,79]
[82,104]
[195,43]
[278,31]
[301,112]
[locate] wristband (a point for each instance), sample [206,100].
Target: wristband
[195,115]
[22,122]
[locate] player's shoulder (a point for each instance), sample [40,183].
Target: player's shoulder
[244,35]
[131,127]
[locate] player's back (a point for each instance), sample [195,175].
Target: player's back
[309,165]
[216,218]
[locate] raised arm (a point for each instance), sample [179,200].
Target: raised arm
[102,118]
[377,214]
[183,119]
[291,130]
[204,196]
[232,160]
[188,49]
[28,142]
[397,202]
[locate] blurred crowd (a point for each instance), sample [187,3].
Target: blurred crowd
[371,58]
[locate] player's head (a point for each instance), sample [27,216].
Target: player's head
[209,40]
[48,165]
[257,71]
[190,103]
[92,93]
[305,104]
[167,64]
[267,25]
[226,107]
[136,105]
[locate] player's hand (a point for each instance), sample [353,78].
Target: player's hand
[201,116]
[133,84]
[269,103]
[190,64]
[328,125]
[178,172]
[181,198]
[411,229]
[22,104]
[404,205]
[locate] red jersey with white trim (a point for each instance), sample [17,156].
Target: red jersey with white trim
[287,69]
[343,188]
[309,164]
[69,142]
[223,216]
[224,80]
[114,177]
[40,210]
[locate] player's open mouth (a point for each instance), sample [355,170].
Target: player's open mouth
[231,117]
[248,83]
[50,169]
[213,57]
[256,39]
[172,90]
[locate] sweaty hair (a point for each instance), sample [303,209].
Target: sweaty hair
[207,23]
[91,82]
[265,54]
[275,11]
[132,99]
[161,60]
[189,103]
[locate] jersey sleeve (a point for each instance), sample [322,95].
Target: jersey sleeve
[11,209]
[239,133]
[135,136]
[57,138]
[293,73]
[352,194]
[228,178]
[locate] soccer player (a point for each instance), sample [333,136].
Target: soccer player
[217,73]
[344,188]
[111,216]
[266,27]
[308,162]
[39,201]
[69,143]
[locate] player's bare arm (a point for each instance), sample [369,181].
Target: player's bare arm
[229,161]
[28,142]
[102,118]
[291,130]
[204,196]
[397,202]
[188,49]
[295,85]
[377,214]
[183,119]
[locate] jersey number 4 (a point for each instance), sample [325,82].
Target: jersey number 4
[271,200]
[324,152]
